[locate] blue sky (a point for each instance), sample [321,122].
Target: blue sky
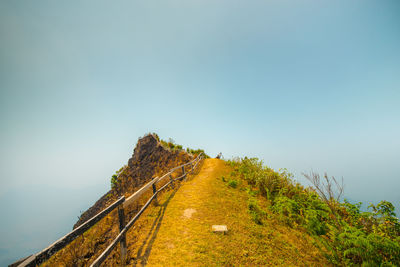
[300,84]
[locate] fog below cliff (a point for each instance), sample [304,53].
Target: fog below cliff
[36,216]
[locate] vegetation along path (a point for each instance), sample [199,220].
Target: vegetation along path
[178,232]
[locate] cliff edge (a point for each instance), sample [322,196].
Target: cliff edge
[149,159]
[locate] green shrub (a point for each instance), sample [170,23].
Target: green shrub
[351,245]
[256,213]
[252,192]
[233,183]
[287,209]
[114,181]
[267,180]
[196,152]
[170,144]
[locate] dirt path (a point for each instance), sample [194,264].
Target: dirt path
[182,217]
[178,231]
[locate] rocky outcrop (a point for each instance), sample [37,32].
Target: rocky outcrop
[149,160]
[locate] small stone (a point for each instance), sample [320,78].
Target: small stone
[219,229]
[187,213]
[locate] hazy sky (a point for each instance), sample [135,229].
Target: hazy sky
[301,84]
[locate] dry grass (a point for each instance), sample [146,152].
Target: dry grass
[87,247]
[164,236]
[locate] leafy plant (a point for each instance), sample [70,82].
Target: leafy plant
[255,211]
[196,152]
[233,183]
[114,181]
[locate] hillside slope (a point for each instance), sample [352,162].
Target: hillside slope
[149,159]
[177,232]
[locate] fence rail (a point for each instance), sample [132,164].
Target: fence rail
[121,204]
[122,233]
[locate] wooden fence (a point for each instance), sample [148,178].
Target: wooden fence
[121,203]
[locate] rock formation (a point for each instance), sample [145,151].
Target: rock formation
[149,160]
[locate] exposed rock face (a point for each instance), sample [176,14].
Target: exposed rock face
[144,147]
[149,160]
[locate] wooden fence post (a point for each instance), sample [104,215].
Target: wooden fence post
[121,217]
[183,171]
[172,180]
[154,192]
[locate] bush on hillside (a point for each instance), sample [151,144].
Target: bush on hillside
[114,181]
[233,183]
[350,236]
[256,212]
[196,152]
[171,145]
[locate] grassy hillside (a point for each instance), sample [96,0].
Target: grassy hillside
[272,221]
[345,234]
[177,232]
